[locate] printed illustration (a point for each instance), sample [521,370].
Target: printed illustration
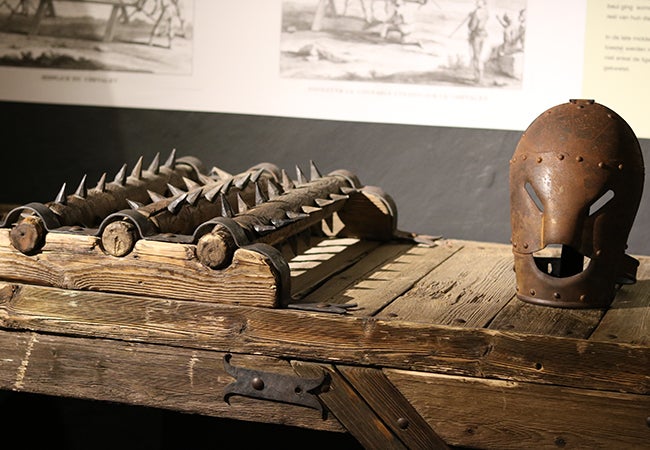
[150,36]
[435,42]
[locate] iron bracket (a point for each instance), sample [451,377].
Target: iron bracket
[274,387]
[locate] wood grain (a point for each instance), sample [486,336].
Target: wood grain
[497,414]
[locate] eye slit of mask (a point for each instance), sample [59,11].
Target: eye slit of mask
[533,196]
[601,202]
[560,261]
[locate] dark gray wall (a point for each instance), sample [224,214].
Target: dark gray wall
[445,181]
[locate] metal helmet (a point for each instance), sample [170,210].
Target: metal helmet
[576,180]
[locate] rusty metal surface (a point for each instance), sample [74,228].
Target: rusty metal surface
[576,180]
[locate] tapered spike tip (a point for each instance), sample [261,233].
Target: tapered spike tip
[171,160]
[101,184]
[174,190]
[137,170]
[302,179]
[226,209]
[154,167]
[314,173]
[154,196]
[177,204]
[82,190]
[61,197]
[120,178]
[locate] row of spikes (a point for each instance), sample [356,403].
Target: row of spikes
[120,177]
[220,190]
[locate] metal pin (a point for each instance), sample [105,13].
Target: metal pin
[82,191]
[296,215]
[225,187]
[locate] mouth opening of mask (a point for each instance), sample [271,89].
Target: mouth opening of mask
[561,261]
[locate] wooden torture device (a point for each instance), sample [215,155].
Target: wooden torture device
[178,231]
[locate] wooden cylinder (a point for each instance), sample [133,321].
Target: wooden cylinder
[28,236]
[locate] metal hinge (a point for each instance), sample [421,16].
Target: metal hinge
[274,387]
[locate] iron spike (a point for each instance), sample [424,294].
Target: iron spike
[296,215]
[262,229]
[220,173]
[310,209]
[177,204]
[348,190]
[171,160]
[256,176]
[314,173]
[279,223]
[193,197]
[259,195]
[287,182]
[154,196]
[225,187]
[272,189]
[82,190]
[61,198]
[243,181]
[137,170]
[120,178]
[226,209]
[211,194]
[337,197]
[174,190]
[101,184]
[323,202]
[191,184]
[205,179]
[241,204]
[302,179]
[154,167]
[133,204]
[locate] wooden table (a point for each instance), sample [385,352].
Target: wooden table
[432,349]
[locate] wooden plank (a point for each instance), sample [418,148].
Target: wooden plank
[493,414]
[319,263]
[351,409]
[391,406]
[628,318]
[381,277]
[525,317]
[164,269]
[466,290]
[329,338]
[179,379]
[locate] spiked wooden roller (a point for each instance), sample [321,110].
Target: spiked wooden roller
[178,231]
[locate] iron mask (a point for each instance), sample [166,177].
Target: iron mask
[576,180]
